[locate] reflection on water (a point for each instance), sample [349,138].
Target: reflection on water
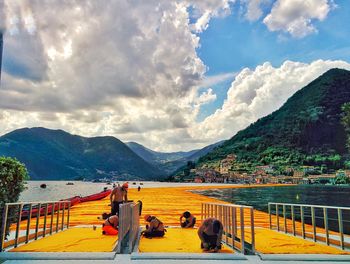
[301,194]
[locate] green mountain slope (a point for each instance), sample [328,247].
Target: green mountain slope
[306,130]
[55,155]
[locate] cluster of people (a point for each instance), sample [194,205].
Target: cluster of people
[210,231]
[118,195]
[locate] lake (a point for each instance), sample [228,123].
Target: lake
[57,190]
[299,194]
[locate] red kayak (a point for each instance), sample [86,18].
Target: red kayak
[96,196]
[73,201]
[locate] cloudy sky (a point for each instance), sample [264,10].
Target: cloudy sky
[171,75]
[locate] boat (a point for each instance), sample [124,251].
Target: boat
[141,183]
[134,183]
[96,196]
[73,201]
[69,183]
[43,185]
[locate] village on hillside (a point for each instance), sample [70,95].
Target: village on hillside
[228,170]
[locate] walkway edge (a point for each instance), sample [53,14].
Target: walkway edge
[183,256]
[56,256]
[304,257]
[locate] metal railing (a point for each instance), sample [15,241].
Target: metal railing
[129,226]
[40,212]
[238,230]
[312,222]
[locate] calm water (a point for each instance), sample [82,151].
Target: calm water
[300,194]
[57,190]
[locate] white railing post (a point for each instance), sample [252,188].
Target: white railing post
[304,208]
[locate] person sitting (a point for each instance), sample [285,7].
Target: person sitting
[190,220]
[155,227]
[210,234]
[110,226]
[118,196]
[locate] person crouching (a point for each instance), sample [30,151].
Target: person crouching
[210,234]
[110,226]
[190,220]
[155,227]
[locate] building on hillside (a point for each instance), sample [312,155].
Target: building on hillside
[267,168]
[308,169]
[208,175]
[198,179]
[227,163]
[298,173]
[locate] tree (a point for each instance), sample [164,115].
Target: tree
[346,121]
[341,179]
[12,177]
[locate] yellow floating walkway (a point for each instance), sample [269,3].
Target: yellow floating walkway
[176,240]
[168,203]
[72,240]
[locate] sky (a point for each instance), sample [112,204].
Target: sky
[171,75]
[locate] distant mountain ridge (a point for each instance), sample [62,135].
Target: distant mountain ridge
[155,157]
[170,162]
[306,130]
[56,154]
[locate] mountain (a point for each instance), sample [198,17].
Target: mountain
[56,154]
[170,162]
[306,130]
[155,157]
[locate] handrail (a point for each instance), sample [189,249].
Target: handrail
[313,205]
[324,237]
[234,226]
[41,210]
[42,202]
[233,205]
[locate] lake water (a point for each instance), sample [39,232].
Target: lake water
[57,190]
[300,194]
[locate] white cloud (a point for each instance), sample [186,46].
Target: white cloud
[254,8]
[216,79]
[204,10]
[130,71]
[256,93]
[296,17]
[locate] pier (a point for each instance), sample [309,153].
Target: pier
[249,235]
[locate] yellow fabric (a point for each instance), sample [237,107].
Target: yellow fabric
[272,242]
[176,240]
[72,240]
[169,203]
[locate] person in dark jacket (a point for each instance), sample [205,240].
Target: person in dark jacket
[210,234]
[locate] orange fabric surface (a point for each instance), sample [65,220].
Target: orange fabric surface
[176,240]
[72,240]
[273,242]
[169,203]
